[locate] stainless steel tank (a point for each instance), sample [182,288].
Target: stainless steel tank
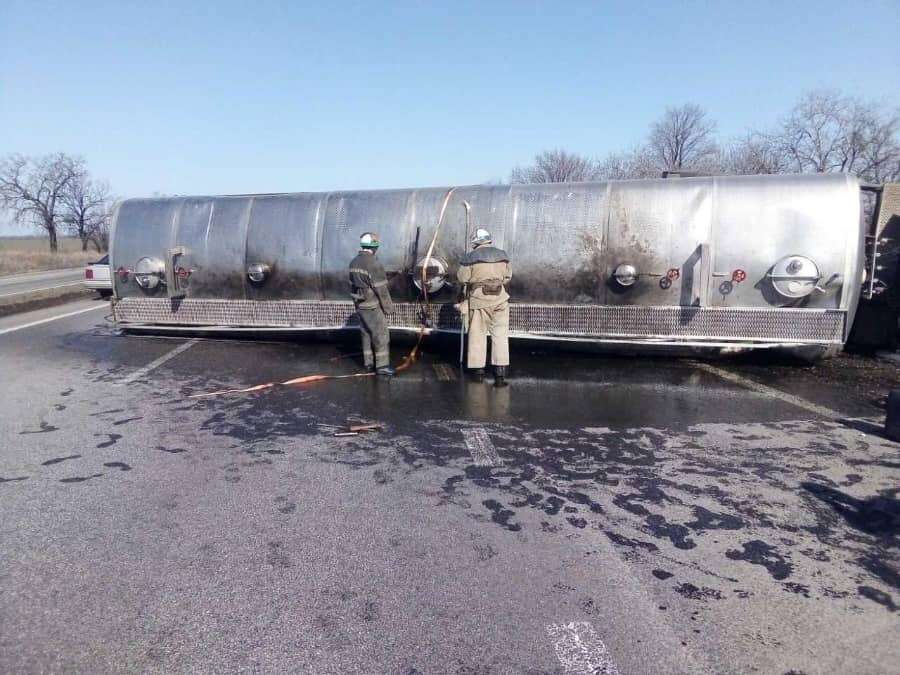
[725,263]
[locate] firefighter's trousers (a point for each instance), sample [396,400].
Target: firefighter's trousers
[376,339]
[493,321]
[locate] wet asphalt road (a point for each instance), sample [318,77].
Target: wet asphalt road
[600,515]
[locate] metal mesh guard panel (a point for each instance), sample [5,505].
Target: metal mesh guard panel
[782,325]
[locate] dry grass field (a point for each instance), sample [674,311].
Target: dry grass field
[32,254]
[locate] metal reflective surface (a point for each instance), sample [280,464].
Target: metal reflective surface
[693,242]
[149,273]
[625,274]
[795,276]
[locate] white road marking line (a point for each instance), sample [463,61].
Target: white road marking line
[156,363]
[580,650]
[444,372]
[480,446]
[770,391]
[38,290]
[53,318]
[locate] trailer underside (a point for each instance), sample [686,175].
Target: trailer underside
[627,327]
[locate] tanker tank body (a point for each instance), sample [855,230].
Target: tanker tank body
[716,263]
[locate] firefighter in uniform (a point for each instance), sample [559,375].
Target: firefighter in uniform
[369,290]
[484,273]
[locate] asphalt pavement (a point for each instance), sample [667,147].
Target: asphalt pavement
[600,515]
[31,282]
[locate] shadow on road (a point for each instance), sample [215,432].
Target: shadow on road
[878,516]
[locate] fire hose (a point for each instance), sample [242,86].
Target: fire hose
[407,361]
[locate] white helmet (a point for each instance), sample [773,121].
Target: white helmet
[481,236]
[369,240]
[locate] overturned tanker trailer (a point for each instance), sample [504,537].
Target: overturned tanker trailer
[717,263]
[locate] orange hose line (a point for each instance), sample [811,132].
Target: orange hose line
[269,385]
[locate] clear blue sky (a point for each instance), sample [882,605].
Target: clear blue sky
[223,97]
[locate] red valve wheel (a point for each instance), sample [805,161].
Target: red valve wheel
[738,276]
[673,273]
[183,273]
[123,273]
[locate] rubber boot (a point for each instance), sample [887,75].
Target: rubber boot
[500,376]
[477,374]
[385,371]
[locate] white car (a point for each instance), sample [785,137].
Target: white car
[97,278]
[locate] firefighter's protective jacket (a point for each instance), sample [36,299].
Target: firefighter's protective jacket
[368,283]
[485,271]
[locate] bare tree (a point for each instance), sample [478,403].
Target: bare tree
[556,166]
[754,154]
[100,233]
[824,132]
[616,166]
[86,206]
[637,163]
[827,132]
[32,189]
[682,138]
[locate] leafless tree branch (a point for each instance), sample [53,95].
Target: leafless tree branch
[556,166]
[682,138]
[86,210]
[827,132]
[824,132]
[32,189]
